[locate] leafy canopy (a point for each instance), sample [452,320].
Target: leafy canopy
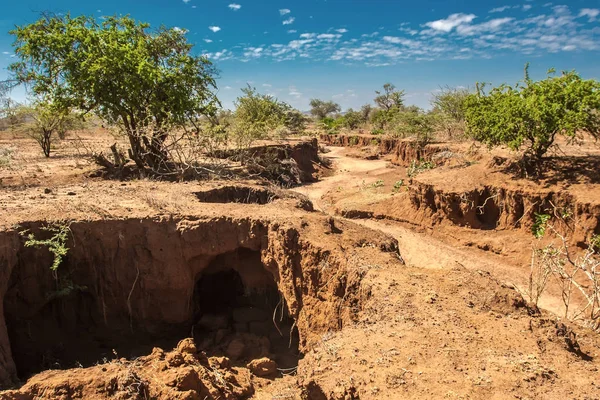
[121,70]
[413,123]
[390,97]
[322,109]
[451,102]
[257,115]
[42,121]
[532,113]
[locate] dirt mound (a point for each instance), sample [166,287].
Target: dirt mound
[183,373]
[287,164]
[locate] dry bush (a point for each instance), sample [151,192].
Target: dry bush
[576,272]
[6,156]
[187,153]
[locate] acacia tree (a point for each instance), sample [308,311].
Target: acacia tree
[145,82]
[390,97]
[257,115]
[41,121]
[366,111]
[533,113]
[321,109]
[451,102]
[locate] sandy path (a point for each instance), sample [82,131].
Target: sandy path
[418,249]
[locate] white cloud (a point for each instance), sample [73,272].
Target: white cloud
[370,34]
[234,6]
[329,36]
[289,21]
[180,30]
[499,9]
[526,7]
[458,36]
[186,1]
[6,52]
[284,11]
[491,25]
[220,55]
[343,30]
[193,6]
[454,20]
[215,29]
[292,31]
[399,40]
[208,40]
[253,52]
[591,13]
[267,85]
[227,88]
[294,92]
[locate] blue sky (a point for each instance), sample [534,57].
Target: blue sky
[346,49]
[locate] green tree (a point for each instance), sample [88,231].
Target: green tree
[382,118]
[257,115]
[366,111]
[352,119]
[322,109]
[390,97]
[533,113]
[145,82]
[451,102]
[413,123]
[42,121]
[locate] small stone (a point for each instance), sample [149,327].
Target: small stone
[175,359]
[47,191]
[187,346]
[219,362]
[71,193]
[262,367]
[235,349]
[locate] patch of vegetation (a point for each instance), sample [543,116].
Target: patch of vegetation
[398,185]
[389,98]
[448,108]
[257,115]
[322,109]
[538,229]
[533,113]
[6,156]
[577,273]
[413,123]
[42,121]
[416,167]
[56,244]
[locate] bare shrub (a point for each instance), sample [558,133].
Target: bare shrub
[576,271]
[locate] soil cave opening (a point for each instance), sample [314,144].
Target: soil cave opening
[236,311]
[239,312]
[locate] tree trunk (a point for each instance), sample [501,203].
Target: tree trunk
[45,142]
